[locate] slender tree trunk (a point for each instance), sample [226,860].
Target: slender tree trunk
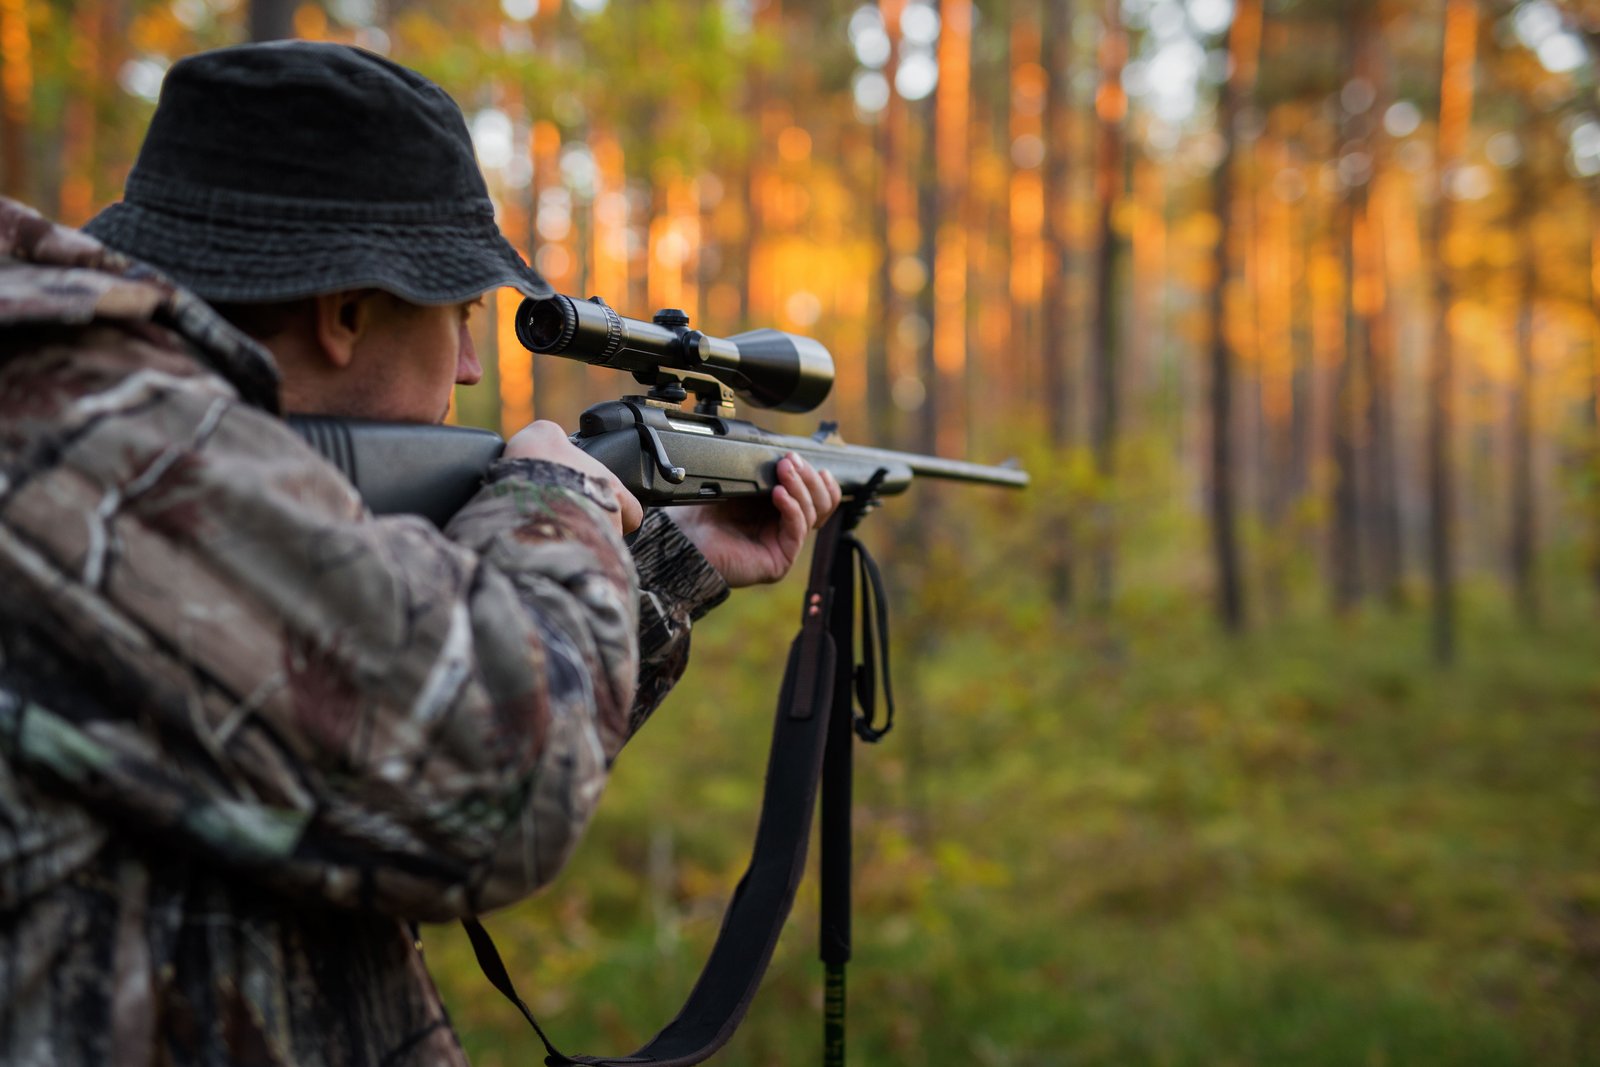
[555,394]
[1388,567]
[1524,521]
[1244,39]
[78,117]
[1147,298]
[1594,389]
[1025,211]
[1058,378]
[1111,108]
[894,207]
[1060,386]
[1455,113]
[1594,466]
[1276,306]
[271,20]
[1382,507]
[952,148]
[928,203]
[769,21]
[1303,377]
[1345,556]
[16,99]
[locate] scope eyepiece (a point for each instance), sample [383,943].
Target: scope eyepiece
[767,368]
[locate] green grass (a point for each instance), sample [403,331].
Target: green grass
[1115,842]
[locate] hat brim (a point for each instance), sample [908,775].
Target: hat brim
[426,260]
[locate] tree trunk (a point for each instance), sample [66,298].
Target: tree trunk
[1276,307]
[1303,376]
[880,405]
[1353,495]
[1024,206]
[1244,39]
[952,107]
[1382,505]
[893,206]
[1060,387]
[1524,521]
[16,99]
[271,20]
[1455,112]
[1344,549]
[1594,389]
[928,203]
[1111,108]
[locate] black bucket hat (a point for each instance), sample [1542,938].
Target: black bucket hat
[281,170]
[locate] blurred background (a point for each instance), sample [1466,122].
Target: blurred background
[1265,727]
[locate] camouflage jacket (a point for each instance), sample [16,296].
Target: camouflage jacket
[250,732]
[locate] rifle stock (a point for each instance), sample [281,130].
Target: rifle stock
[404,468]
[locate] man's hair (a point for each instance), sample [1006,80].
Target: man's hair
[264,321]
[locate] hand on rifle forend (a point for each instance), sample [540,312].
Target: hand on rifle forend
[547,441]
[755,541]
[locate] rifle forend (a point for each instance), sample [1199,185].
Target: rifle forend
[667,457]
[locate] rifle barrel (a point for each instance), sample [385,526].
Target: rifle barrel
[956,470]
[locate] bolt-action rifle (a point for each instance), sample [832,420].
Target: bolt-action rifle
[664,453]
[668,454]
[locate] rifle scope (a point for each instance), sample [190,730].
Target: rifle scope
[767,368]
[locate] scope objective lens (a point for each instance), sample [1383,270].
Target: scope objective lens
[548,325]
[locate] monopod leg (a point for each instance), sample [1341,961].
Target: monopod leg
[835,829]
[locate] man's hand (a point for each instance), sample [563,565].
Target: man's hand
[755,541]
[547,441]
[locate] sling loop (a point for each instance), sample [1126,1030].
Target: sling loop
[874,619]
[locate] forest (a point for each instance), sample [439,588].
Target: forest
[1264,726]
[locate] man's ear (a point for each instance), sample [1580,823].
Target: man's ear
[341,320]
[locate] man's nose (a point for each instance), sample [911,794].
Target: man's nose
[468,370]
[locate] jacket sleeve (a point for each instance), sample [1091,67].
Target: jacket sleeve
[229,655]
[677,587]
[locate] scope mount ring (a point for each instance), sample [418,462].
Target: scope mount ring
[712,395]
[670,388]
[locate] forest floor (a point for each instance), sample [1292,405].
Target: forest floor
[1120,843]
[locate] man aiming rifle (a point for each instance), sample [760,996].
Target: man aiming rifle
[250,732]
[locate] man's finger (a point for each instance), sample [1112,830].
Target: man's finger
[835,494]
[632,510]
[821,497]
[792,524]
[796,483]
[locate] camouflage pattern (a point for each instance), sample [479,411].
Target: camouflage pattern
[252,733]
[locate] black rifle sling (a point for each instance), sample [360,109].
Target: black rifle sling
[760,905]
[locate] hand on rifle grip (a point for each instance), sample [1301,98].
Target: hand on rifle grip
[755,541]
[547,441]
